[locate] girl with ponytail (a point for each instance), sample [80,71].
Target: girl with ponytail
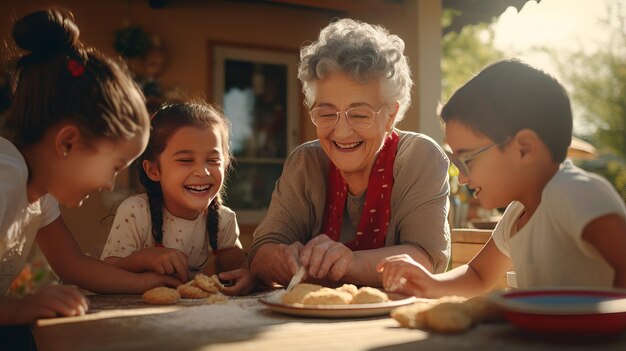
[179,225]
[76,119]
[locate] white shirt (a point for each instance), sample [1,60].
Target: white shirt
[132,231]
[549,250]
[19,220]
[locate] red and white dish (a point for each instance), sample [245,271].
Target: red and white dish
[564,310]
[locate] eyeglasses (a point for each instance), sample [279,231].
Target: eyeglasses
[461,162]
[358,118]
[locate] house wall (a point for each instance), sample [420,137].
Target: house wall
[186,27]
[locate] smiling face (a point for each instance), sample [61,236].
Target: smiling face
[352,151]
[86,170]
[493,174]
[190,170]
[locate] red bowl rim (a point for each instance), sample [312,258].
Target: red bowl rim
[506,300]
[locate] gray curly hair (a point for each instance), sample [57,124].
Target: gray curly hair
[363,51]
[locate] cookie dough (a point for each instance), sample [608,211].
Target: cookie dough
[297,294]
[449,314]
[161,296]
[369,295]
[327,296]
[210,284]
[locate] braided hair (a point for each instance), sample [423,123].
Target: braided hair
[165,122]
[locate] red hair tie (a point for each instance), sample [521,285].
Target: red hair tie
[76,69]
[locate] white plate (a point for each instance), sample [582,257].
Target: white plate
[337,311]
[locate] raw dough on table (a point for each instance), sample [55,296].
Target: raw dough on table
[449,314]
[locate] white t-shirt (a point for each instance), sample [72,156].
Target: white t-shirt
[132,231]
[549,250]
[19,220]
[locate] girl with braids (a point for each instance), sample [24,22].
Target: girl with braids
[179,224]
[76,120]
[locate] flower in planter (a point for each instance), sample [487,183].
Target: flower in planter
[33,276]
[132,41]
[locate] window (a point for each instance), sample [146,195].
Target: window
[259,92]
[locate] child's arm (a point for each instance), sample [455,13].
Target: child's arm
[49,302]
[233,265]
[68,261]
[608,235]
[402,274]
[162,260]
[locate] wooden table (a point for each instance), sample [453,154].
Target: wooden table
[125,322]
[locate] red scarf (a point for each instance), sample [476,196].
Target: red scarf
[372,229]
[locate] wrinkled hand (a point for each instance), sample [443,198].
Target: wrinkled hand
[245,281]
[325,258]
[402,274]
[52,301]
[163,260]
[285,261]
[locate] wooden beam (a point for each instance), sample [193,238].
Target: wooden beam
[345,5]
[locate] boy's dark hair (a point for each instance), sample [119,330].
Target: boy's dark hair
[165,122]
[59,79]
[509,96]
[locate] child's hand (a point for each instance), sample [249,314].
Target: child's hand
[163,260]
[51,301]
[245,281]
[400,273]
[151,280]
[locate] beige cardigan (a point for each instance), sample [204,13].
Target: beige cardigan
[419,200]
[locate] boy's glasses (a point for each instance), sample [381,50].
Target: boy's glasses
[358,118]
[461,162]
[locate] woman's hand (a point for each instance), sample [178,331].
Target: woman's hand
[245,282]
[277,263]
[402,274]
[49,302]
[286,261]
[325,258]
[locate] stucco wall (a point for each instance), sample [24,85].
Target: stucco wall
[185,28]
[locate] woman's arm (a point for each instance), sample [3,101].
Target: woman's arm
[276,263]
[420,199]
[296,211]
[67,260]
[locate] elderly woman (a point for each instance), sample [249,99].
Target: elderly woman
[364,190]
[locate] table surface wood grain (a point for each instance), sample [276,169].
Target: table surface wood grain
[125,322]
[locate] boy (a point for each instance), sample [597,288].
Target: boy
[509,129]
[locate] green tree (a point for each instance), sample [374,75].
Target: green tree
[464,53]
[598,88]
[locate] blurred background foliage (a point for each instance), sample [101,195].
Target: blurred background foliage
[596,84]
